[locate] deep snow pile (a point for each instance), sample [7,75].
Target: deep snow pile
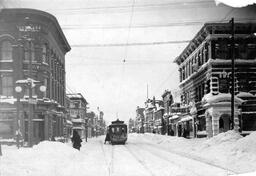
[229,149]
[44,158]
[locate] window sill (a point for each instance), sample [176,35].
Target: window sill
[6,60]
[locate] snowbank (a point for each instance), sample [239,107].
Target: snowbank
[44,158]
[228,137]
[246,174]
[228,149]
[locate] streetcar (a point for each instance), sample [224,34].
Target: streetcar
[118,132]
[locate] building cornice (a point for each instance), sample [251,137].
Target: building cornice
[209,29]
[24,12]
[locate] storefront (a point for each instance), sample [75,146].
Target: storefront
[186,126]
[173,120]
[217,114]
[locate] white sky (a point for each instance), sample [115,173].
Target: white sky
[99,73]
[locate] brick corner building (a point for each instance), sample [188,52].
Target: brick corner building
[32,47]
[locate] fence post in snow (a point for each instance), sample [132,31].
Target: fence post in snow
[1,150]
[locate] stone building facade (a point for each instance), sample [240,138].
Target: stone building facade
[205,69]
[32,39]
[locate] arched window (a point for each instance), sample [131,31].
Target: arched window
[44,49]
[6,50]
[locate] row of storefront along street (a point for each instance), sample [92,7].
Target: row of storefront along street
[205,71]
[34,105]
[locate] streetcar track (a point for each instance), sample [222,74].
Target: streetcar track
[111,167]
[169,161]
[108,164]
[140,161]
[198,159]
[184,156]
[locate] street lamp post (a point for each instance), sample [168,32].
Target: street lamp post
[18,89]
[29,83]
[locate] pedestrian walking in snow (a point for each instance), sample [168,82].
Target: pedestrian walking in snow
[107,138]
[76,140]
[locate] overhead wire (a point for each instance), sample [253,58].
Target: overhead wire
[125,56]
[171,74]
[157,42]
[164,81]
[137,44]
[125,8]
[129,44]
[155,25]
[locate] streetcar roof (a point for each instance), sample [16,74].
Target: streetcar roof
[117,125]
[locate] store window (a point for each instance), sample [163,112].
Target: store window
[6,85]
[29,49]
[6,50]
[224,85]
[251,49]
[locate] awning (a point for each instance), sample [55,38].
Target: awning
[78,128]
[186,118]
[174,117]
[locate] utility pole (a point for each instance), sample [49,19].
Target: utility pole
[168,113]
[147,91]
[30,105]
[232,72]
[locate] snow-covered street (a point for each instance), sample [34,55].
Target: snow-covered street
[143,155]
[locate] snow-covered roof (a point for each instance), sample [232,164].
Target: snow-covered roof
[242,61]
[186,118]
[10,100]
[78,120]
[159,108]
[245,94]
[149,105]
[76,95]
[174,117]
[211,99]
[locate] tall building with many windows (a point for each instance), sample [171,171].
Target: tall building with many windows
[205,72]
[32,54]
